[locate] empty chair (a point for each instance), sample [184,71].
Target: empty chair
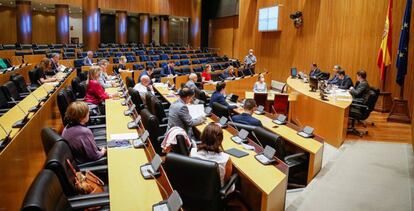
[220,110]
[40,51]
[203,193]
[10,91]
[281,104]
[49,138]
[157,109]
[69,55]
[164,57]
[175,56]
[185,62]
[78,63]
[143,58]
[20,83]
[130,83]
[5,105]
[360,111]
[155,58]
[195,61]
[260,98]
[154,128]
[138,67]
[78,87]
[136,99]
[45,193]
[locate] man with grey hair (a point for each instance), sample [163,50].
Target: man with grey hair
[87,61]
[54,59]
[335,79]
[192,79]
[250,60]
[144,87]
[104,79]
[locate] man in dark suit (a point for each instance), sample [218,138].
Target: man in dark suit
[361,86]
[344,82]
[55,63]
[148,71]
[315,71]
[87,61]
[246,117]
[218,96]
[168,70]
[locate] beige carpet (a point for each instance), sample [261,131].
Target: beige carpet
[360,176]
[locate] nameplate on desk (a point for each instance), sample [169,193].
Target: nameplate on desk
[123,136]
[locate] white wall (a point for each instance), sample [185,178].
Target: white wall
[75,20]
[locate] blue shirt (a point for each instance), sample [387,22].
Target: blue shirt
[167,71]
[334,80]
[247,119]
[219,98]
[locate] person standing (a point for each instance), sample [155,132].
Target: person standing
[250,60]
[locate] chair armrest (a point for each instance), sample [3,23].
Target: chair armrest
[87,203]
[98,117]
[96,126]
[359,106]
[95,168]
[164,120]
[102,161]
[88,196]
[11,104]
[228,185]
[160,139]
[358,100]
[297,155]
[4,110]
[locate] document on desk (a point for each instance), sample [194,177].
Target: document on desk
[124,136]
[164,85]
[196,110]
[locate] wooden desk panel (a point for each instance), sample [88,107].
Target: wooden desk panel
[35,58]
[329,118]
[24,71]
[24,157]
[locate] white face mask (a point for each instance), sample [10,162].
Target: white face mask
[251,54]
[262,80]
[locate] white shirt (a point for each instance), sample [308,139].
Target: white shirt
[220,158]
[142,90]
[259,87]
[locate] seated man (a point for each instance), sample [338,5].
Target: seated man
[361,86]
[335,79]
[315,71]
[148,71]
[144,87]
[87,61]
[55,63]
[192,79]
[344,82]
[246,117]
[218,96]
[179,114]
[168,70]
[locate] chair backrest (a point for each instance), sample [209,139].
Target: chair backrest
[129,82]
[49,138]
[63,101]
[370,100]
[240,126]
[3,100]
[151,124]
[56,161]
[324,76]
[269,138]
[45,193]
[10,90]
[33,77]
[220,110]
[260,98]
[200,95]
[281,103]
[201,193]
[136,99]
[79,88]
[20,83]
[157,108]
[181,146]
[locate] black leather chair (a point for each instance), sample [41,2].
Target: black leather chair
[136,99]
[46,194]
[130,83]
[360,110]
[220,110]
[158,109]
[5,105]
[49,138]
[203,193]
[181,146]
[78,89]
[10,91]
[240,126]
[154,128]
[34,78]
[297,162]
[57,162]
[201,95]
[323,76]
[21,84]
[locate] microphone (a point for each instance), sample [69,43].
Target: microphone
[126,101]
[36,107]
[5,140]
[254,135]
[22,122]
[274,110]
[233,123]
[135,123]
[130,110]
[173,201]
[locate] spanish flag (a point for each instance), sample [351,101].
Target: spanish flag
[384,54]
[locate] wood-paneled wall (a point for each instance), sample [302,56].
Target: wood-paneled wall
[222,33]
[346,32]
[44,27]
[8,25]
[162,7]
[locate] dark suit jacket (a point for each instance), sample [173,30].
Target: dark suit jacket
[87,61]
[315,73]
[54,66]
[246,119]
[360,90]
[345,83]
[167,71]
[219,98]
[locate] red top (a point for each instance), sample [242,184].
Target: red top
[207,76]
[95,94]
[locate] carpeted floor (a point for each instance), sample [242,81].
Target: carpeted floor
[360,176]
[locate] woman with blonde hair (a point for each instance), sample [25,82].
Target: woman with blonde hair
[80,138]
[260,85]
[44,68]
[95,94]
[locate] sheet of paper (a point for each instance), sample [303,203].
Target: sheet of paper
[124,136]
[196,110]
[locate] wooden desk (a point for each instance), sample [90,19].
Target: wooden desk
[263,186]
[329,118]
[23,157]
[128,190]
[24,71]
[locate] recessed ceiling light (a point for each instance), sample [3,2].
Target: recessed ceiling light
[11,2]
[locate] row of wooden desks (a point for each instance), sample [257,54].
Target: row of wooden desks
[24,157]
[128,190]
[263,187]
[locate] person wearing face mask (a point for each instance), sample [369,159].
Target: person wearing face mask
[250,60]
[260,85]
[179,115]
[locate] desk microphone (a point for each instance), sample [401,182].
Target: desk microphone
[274,110]
[173,202]
[135,123]
[39,101]
[233,123]
[5,140]
[254,135]
[22,122]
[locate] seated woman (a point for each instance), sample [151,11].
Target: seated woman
[211,149]
[104,78]
[43,68]
[206,74]
[122,65]
[78,136]
[260,85]
[95,94]
[228,73]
